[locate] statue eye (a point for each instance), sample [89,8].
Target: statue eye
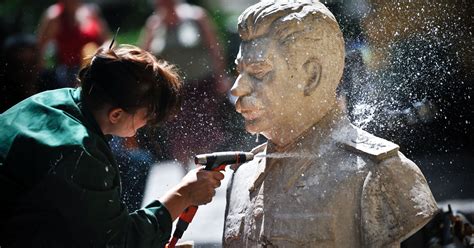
[260,75]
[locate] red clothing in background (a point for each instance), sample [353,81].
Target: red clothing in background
[72,37]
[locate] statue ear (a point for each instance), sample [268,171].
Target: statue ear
[313,71]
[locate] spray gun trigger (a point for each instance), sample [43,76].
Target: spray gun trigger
[220,168]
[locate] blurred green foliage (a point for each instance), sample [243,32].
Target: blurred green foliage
[129,36]
[21,15]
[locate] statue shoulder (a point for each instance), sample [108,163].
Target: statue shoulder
[396,202]
[359,141]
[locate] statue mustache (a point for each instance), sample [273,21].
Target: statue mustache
[248,103]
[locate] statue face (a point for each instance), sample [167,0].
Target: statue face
[267,91]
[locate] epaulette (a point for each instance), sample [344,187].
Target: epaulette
[260,148]
[376,148]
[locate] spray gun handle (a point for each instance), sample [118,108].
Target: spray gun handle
[185,218]
[216,161]
[183,222]
[187,215]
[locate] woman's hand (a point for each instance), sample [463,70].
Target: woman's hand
[196,188]
[199,185]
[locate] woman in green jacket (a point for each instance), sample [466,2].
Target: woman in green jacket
[59,182]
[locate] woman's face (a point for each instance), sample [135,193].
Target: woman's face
[128,123]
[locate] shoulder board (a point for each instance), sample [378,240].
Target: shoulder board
[260,148]
[376,148]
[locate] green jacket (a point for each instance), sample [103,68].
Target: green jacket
[60,184]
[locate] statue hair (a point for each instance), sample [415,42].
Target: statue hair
[301,26]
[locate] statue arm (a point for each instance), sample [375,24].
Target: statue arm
[396,202]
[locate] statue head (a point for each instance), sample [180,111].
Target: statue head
[290,63]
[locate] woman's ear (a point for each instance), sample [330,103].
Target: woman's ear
[312,67]
[115,114]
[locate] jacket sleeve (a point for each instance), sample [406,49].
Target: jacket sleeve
[396,202]
[85,189]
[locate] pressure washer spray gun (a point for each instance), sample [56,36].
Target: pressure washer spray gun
[216,161]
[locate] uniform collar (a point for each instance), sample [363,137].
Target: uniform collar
[308,141]
[319,131]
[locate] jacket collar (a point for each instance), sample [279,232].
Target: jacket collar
[89,120]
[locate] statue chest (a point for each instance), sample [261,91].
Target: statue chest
[308,205]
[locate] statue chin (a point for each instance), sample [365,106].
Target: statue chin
[251,128]
[255,126]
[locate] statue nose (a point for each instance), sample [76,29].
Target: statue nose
[241,86]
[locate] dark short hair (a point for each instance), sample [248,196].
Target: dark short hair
[130,78]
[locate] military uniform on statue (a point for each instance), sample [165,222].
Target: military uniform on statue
[319,181]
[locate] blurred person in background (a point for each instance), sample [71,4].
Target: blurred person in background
[77,30]
[184,35]
[19,69]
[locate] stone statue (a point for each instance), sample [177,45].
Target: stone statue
[319,181]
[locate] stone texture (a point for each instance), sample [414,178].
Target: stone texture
[319,181]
